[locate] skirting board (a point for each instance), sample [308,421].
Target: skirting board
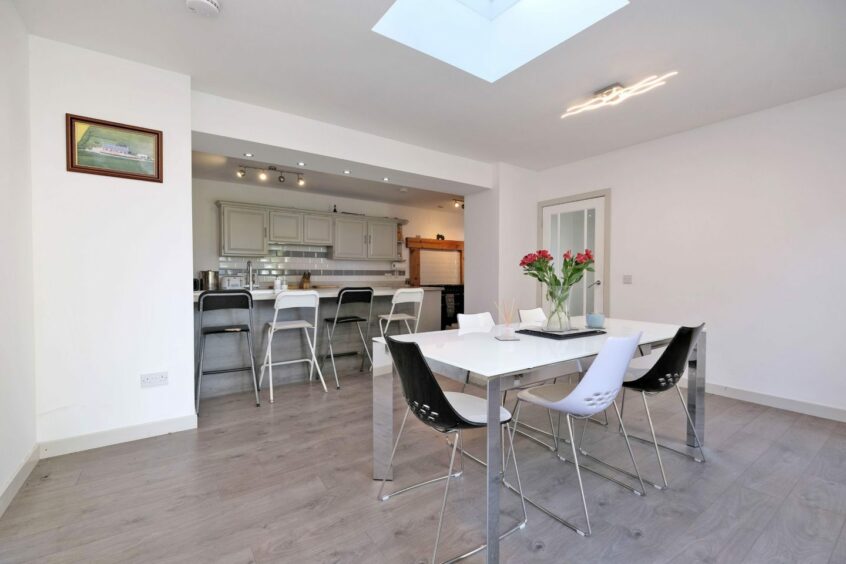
[114,436]
[18,480]
[817,410]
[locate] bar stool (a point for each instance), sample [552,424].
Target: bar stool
[225,300]
[448,413]
[349,296]
[403,296]
[663,376]
[596,392]
[307,299]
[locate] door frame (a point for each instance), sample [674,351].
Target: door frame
[606,252]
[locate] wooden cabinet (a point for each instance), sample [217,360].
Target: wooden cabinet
[382,240]
[350,238]
[243,231]
[317,230]
[286,227]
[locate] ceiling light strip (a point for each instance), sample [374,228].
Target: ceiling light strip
[617,94]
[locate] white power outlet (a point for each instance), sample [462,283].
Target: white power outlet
[154,379]
[627,278]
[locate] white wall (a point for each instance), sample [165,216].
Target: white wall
[425,222]
[112,256]
[742,225]
[17,372]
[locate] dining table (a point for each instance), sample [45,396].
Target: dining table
[488,359]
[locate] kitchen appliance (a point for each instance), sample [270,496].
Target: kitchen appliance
[208,280]
[231,282]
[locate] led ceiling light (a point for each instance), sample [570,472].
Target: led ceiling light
[301,163]
[617,93]
[300,180]
[248,154]
[241,173]
[346,172]
[386,179]
[262,175]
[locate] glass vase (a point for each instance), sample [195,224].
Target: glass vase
[558,320]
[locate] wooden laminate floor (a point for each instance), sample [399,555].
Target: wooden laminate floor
[290,482]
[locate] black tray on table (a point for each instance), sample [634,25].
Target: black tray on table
[562,336]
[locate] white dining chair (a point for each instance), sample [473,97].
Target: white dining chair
[597,391]
[475,322]
[403,296]
[295,299]
[532,317]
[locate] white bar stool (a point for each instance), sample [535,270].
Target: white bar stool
[308,299]
[403,296]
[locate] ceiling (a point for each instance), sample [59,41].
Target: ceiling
[222,168]
[321,60]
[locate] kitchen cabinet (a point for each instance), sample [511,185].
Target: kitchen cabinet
[243,231]
[350,238]
[382,240]
[286,227]
[317,230]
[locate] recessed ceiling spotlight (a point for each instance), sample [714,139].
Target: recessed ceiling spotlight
[262,175]
[386,179]
[346,171]
[300,180]
[248,154]
[208,8]
[403,190]
[617,93]
[301,163]
[241,173]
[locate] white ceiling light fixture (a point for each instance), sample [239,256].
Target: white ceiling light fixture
[490,38]
[300,180]
[301,163]
[262,175]
[207,8]
[346,171]
[386,179]
[617,93]
[248,154]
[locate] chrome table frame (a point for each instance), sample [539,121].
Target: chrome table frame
[383,412]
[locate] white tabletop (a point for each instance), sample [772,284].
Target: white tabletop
[482,354]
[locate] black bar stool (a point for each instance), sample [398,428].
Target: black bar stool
[212,300]
[350,296]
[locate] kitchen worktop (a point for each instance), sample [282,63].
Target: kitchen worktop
[327,293]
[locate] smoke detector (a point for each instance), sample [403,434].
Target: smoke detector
[208,8]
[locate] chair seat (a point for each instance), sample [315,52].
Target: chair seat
[560,397]
[397,317]
[346,319]
[226,329]
[474,409]
[294,324]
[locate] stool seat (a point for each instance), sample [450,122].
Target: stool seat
[345,319]
[295,324]
[474,409]
[225,329]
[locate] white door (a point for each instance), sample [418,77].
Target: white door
[577,226]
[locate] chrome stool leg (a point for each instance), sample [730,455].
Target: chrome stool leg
[200,371]
[253,366]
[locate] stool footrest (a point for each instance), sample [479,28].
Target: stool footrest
[227,370]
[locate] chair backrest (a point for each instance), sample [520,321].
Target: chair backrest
[421,390]
[532,316]
[408,295]
[476,321]
[667,371]
[296,299]
[211,300]
[604,378]
[355,295]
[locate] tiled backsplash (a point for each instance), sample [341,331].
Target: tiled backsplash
[291,261]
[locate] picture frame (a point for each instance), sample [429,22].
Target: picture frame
[107,148]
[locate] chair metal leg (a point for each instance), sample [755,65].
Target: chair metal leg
[366,350]
[312,346]
[443,503]
[332,356]
[407,326]
[629,446]
[393,452]
[200,372]
[270,362]
[654,440]
[692,427]
[578,474]
[253,366]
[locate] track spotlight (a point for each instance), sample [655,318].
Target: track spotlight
[300,180]
[262,175]
[241,173]
[281,179]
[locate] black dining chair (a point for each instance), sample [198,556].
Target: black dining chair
[446,412]
[663,376]
[235,300]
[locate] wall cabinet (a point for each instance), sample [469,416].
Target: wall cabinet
[381,240]
[350,238]
[317,230]
[286,227]
[243,231]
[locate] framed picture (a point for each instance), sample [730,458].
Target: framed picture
[102,147]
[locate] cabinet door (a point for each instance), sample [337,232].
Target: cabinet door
[382,240]
[243,231]
[286,227]
[317,230]
[350,238]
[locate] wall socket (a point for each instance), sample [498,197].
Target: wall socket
[627,278]
[154,379]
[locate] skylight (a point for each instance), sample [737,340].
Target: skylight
[490,38]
